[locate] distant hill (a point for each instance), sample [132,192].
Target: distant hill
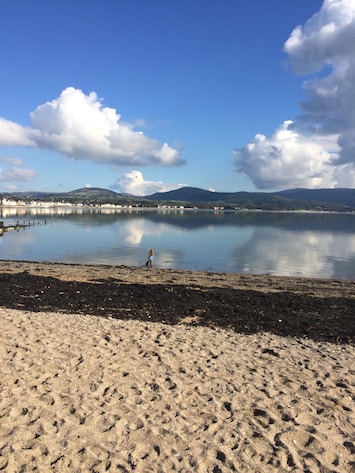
[336,196]
[292,199]
[92,193]
[87,195]
[331,199]
[194,194]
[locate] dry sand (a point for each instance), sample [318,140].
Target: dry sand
[83,393]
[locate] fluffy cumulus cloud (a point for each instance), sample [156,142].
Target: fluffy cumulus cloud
[11,170]
[12,134]
[81,128]
[134,183]
[317,148]
[288,158]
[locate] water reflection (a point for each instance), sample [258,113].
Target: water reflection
[296,244]
[309,253]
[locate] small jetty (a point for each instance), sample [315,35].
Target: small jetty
[7,227]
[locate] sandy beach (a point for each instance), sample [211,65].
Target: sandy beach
[127,369]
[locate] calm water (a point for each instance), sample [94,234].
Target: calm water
[288,244]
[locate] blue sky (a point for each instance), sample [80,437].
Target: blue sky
[142,96]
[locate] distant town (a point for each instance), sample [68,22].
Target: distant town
[55,205]
[334,200]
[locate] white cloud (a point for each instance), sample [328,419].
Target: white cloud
[287,159]
[133,231]
[12,134]
[277,251]
[316,149]
[134,183]
[327,37]
[81,128]
[13,171]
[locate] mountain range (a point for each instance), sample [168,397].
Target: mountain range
[293,199]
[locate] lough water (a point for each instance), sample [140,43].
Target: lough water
[287,244]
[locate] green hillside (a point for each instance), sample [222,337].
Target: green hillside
[294,199]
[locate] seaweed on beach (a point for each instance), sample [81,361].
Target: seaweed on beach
[287,313]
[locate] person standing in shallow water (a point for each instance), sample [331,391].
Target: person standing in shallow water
[149,262]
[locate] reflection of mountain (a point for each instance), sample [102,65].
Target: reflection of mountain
[341,222]
[292,221]
[96,217]
[306,244]
[194,219]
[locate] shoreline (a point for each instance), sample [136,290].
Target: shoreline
[319,309]
[68,271]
